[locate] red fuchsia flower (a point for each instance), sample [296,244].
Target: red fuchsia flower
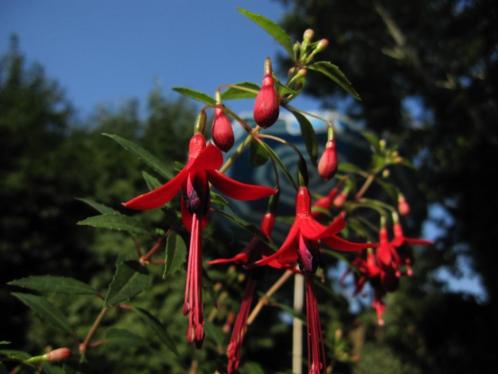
[405,253]
[301,247]
[221,130]
[267,105]
[327,166]
[59,354]
[254,250]
[324,203]
[403,206]
[193,181]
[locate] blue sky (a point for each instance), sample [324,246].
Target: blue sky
[104,52]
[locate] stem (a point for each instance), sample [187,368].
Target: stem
[266,297]
[145,259]
[297,326]
[365,187]
[92,331]
[242,146]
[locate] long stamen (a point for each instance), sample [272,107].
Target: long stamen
[316,349]
[240,327]
[193,288]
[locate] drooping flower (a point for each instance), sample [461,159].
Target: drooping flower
[302,247]
[193,181]
[266,105]
[221,130]
[327,166]
[400,241]
[324,203]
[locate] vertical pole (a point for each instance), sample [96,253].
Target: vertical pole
[297,326]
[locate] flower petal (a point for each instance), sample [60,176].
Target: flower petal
[238,190]
[310,228]
[337,225]
[209,158]
[340,244]
[286,255]
[240,258]
[416,241]
[159,196]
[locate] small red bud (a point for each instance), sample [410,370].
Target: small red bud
[341,198]
[403,206]
[59,354]
[266,106]
[221,130]
[327,166]
[267,224]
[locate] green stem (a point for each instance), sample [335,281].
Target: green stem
[92,331]
[240,149]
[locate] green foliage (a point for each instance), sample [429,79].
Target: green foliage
[54,284]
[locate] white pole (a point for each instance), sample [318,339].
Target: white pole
[297,326]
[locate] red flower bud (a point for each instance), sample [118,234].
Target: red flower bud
[327,166]
[403,207]
[59,354]
[341,198]
[266,106]
[221,130]
[267,224]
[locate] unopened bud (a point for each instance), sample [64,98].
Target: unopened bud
[341,198]
[221,130]
[59,354]
[403,206]
[267,224]
[266,105]
[308,35]
[301,72]
[291,72]
[386,173]
[327,166]
[322,44]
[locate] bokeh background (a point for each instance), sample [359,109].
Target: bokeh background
[427,73]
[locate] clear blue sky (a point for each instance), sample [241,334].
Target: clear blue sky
[104,52]
[108,51]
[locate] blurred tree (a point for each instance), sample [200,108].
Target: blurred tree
[427,72]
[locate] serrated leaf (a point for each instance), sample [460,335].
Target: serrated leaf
[243,90]
[122,337]
[196,95]
[45,310]
[176,252]
[308,134]
[334,73]
[101,208]
[129,279]
[271,153]
[55,284]
[157,327]
[257,155]
[14,355]
[271,28]
[151,181]
[143,154]
[118,222]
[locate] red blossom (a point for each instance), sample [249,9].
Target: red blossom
[324,203]
[221,130]
[314,334]
[193,181]
[266,105]
[327,166]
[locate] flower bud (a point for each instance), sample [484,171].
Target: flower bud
[266,106]
[403,207]
[341,198]
[59,354]
[327,166]
[221,130]
[267,224]
[322,44]
[308,35]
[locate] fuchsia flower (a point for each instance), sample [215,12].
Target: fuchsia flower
[221,130]
[267,105]
[327,166]
[254,250]
[324,203]
[301,247]
[193,181]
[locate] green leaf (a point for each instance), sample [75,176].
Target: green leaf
[151,181]
[257,155]
[130,278]
[5,342]
[122,337]
[176,252]
[308,134]
[334,73]
[52,369]
[271,153]
[217,199]
[14,355]
[157,327]
[45,310]
[347,167]
[372,139]
[243,90]
[118,222]
[271,28]
[55,284]
[147,157]
[101,208]
[196,95]
[214,333]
